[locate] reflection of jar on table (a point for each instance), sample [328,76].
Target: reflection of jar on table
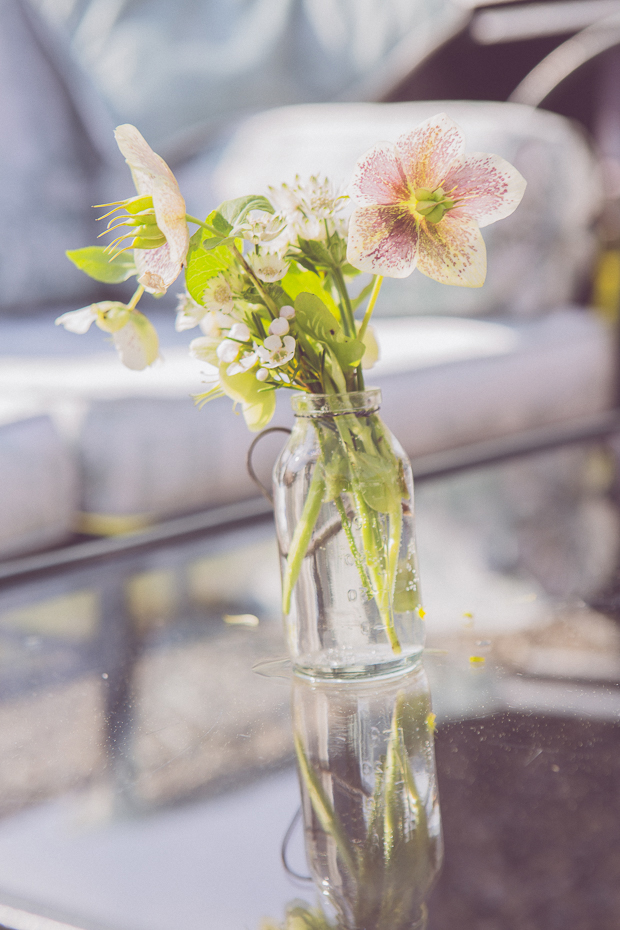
[369,796]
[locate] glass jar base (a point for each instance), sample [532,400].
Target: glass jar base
[333,665]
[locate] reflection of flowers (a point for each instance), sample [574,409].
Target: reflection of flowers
[421,203]
[159,267]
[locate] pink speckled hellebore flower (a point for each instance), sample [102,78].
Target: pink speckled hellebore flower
[158,267]
[422,201]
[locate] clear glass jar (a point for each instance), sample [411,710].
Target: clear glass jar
[343,499]
[372,822]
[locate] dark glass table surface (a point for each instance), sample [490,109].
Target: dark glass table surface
[147,776]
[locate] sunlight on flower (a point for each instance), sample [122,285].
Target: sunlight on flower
[158,267]
[422,201]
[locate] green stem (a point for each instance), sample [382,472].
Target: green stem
[211,229]
[346,312]
[324,811]
[371,306]
[269,303]
[302,535]
[354,550]
[133,303]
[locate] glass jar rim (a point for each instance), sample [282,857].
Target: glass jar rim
[333,405]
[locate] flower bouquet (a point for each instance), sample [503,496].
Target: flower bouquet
[272,284]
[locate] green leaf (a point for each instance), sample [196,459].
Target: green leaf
[377,481]
[406,592]
[257,404]
[95,261]
[296,282]
[215,242]
[316,251]
[234,211]
[220,223]
[313,317]
[203,265]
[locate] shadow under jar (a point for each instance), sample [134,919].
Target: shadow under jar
[343,499]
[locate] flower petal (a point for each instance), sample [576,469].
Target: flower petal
[378,177]
[453,251]
[428,151]
[145,164]
[169,208]
[137,342]
[383,240]
[78,321]
[488,187]
[157,270]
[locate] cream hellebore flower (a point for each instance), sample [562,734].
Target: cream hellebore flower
[158,267]
[134,336]
[422,201]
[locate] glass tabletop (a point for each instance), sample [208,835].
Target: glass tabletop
[157,747]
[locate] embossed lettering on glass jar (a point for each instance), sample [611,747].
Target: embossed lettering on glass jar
[343,498]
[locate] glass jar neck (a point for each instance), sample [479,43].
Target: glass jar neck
[325,405]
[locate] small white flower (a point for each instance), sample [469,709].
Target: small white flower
[279,327]
[261,228]
[216,324]
[276,351]
[239,331]
[227,351]
[287,312]
[189,313]
[218,295]
[78,321]
[268,266]
[262,374]
[246,362]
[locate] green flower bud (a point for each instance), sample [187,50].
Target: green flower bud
[424,207]
[142,243]
[138,204]
[149,232]
[436,215]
